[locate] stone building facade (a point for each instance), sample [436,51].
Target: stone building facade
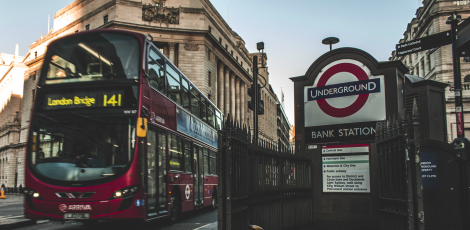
[12,71]
[283,128]
[191,33]
[431,19]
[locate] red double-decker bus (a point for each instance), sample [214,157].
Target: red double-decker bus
[118,132]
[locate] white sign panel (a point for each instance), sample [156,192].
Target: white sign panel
[344,92]
[347,171]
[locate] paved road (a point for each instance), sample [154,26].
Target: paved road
[12,208]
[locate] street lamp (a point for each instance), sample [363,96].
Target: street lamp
[330,41]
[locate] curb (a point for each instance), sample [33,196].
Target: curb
[15,223]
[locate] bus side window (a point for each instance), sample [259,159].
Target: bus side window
[218,121]
[176,150]
[210,115]
[185,96]
[156,72]
[174,86]
[213,162]
[203,109]
[187,156]
[206,161]
[195,107]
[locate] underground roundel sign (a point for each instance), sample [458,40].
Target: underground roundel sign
[344,92]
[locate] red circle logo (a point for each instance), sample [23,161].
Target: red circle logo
[63,207]
[361,100]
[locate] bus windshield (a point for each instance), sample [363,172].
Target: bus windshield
[81,148]
[92,57]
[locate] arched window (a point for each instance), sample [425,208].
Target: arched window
[466,78]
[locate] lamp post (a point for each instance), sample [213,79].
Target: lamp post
[330,41]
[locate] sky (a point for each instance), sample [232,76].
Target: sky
[292,30]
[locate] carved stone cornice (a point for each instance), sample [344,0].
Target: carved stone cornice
[35,60]
[55,34]
[191,47]
[160,14]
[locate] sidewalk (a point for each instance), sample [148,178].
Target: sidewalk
[10,215]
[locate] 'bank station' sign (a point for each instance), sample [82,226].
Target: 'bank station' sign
[344,103]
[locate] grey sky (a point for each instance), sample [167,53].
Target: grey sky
[291,30]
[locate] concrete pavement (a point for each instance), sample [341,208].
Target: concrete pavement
[11,212]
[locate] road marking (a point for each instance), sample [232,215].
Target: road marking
[204,226]
[41,221]
[10,217]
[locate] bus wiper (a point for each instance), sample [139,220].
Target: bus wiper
[48,118]
[87,117]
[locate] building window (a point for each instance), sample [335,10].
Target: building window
[34,76]
[35,54]
[210,78]
[209,54]
[461,3]
[226,47]
[76,31]
[248,70]
[241,63]
[417,70]
[87,27]
[428,60]
[237,58]
[423,66]
[231,52]
[33,94]
[105,18]
[210,29]
[220,40]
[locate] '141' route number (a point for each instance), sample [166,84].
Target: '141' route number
[112,100]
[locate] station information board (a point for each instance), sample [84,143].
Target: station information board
[345,168]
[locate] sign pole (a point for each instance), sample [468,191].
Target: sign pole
[255,99]
[453,20]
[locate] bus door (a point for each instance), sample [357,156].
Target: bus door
[156,179]
[198,175]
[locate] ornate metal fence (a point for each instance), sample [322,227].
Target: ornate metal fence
[261,184]
[400,192]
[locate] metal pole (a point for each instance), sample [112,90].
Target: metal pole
[331,46]
[459,121]
[255,99]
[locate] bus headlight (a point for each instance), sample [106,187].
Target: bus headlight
[118,194]
[31,193]
[125,192]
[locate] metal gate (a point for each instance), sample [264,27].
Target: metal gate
[261,184]
[400,191]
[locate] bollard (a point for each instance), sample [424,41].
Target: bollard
[2,194]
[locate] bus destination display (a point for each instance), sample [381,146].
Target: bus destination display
[84,99]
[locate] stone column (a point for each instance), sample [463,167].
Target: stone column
[243,103]
[227,91]
[232,95]
[220,87]
[171,46]
[237,98]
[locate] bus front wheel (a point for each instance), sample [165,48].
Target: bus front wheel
[175,209]
[214,200]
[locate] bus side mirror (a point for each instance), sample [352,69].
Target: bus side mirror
[141,127]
